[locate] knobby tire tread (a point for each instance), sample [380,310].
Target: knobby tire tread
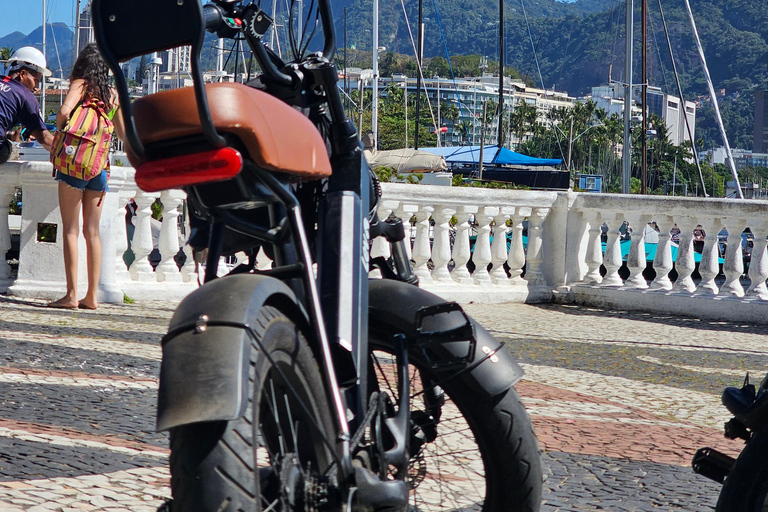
[209,470]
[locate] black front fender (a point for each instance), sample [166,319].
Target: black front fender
[204,372]
[393,307]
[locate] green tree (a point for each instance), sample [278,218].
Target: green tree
[5,54]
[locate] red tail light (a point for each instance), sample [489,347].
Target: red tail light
[181,171]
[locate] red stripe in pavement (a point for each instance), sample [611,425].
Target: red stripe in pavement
[610,437]
[75,375]
[70,433]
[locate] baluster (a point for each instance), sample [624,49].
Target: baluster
[636,259]
[758,265]
[380,246]
[481,256]
[441,245]
[141,270]
[734,260]
[6,194]
[662,262]
[594,257]
[461,248]
[709,266]
[167,270]
[189,269]
[421,249]
[406,212]
[121,240]
[535,223]
[516,258]
[499,247]
[612,259]
[685,264]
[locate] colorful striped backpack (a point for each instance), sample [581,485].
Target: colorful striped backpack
[81,149]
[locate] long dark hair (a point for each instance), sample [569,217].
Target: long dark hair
[91,67]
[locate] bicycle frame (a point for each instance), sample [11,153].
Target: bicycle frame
[330,308]
[337,303]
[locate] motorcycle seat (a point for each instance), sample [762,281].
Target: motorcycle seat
[278,138]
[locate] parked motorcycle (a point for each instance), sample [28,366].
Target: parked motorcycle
[744,479]
[306,386]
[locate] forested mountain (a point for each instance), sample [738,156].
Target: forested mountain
[581,44]
[59,47]
[578,44]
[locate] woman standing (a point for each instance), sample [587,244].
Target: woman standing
[89,84]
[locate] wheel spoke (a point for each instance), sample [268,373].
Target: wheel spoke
[455,473]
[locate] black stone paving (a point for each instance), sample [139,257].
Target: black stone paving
[574,482]
[43,356]
[126,413]
[24,460]
[137,336]
[586,482]
[622,361]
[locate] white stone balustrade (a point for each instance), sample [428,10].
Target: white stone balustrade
[40,271]
[467,244]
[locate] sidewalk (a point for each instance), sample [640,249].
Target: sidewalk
[619,402]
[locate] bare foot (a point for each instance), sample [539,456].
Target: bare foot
[63,303]
[83,305]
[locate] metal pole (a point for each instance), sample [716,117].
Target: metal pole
[420,51]
[346,72]
[719,118]
[570,144]
[360,106]
[482,140]
[77,29]
[500,137]
[439,124]
[375,96]
[627,154]
[405,97]
[42,96]
[644,156]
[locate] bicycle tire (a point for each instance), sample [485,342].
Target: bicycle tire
[504,444]
[746,487]
[230,465]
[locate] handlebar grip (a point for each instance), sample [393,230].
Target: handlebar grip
[212,17]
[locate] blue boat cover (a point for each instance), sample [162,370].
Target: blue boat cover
[492,155]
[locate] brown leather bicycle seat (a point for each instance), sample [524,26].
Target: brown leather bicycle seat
[277,137]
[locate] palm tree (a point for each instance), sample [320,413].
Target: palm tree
[522,120]
[5,54]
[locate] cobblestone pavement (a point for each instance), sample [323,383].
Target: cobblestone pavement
[619,401]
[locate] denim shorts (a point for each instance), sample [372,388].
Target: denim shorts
[98,183]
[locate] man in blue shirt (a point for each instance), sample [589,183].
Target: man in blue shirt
[18,104]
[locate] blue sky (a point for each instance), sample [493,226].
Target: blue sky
[26,15]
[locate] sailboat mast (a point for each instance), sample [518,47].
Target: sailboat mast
[77,29]
[627,153]
[500,138]
[375,87]
[644,99]
[420,52]
[713,96]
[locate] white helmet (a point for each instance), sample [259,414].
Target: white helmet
[30,57]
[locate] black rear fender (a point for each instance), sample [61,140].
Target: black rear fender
[206,353]
[488,368]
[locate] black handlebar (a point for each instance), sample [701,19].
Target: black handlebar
[212,17]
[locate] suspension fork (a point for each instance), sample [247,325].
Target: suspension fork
[314,307]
